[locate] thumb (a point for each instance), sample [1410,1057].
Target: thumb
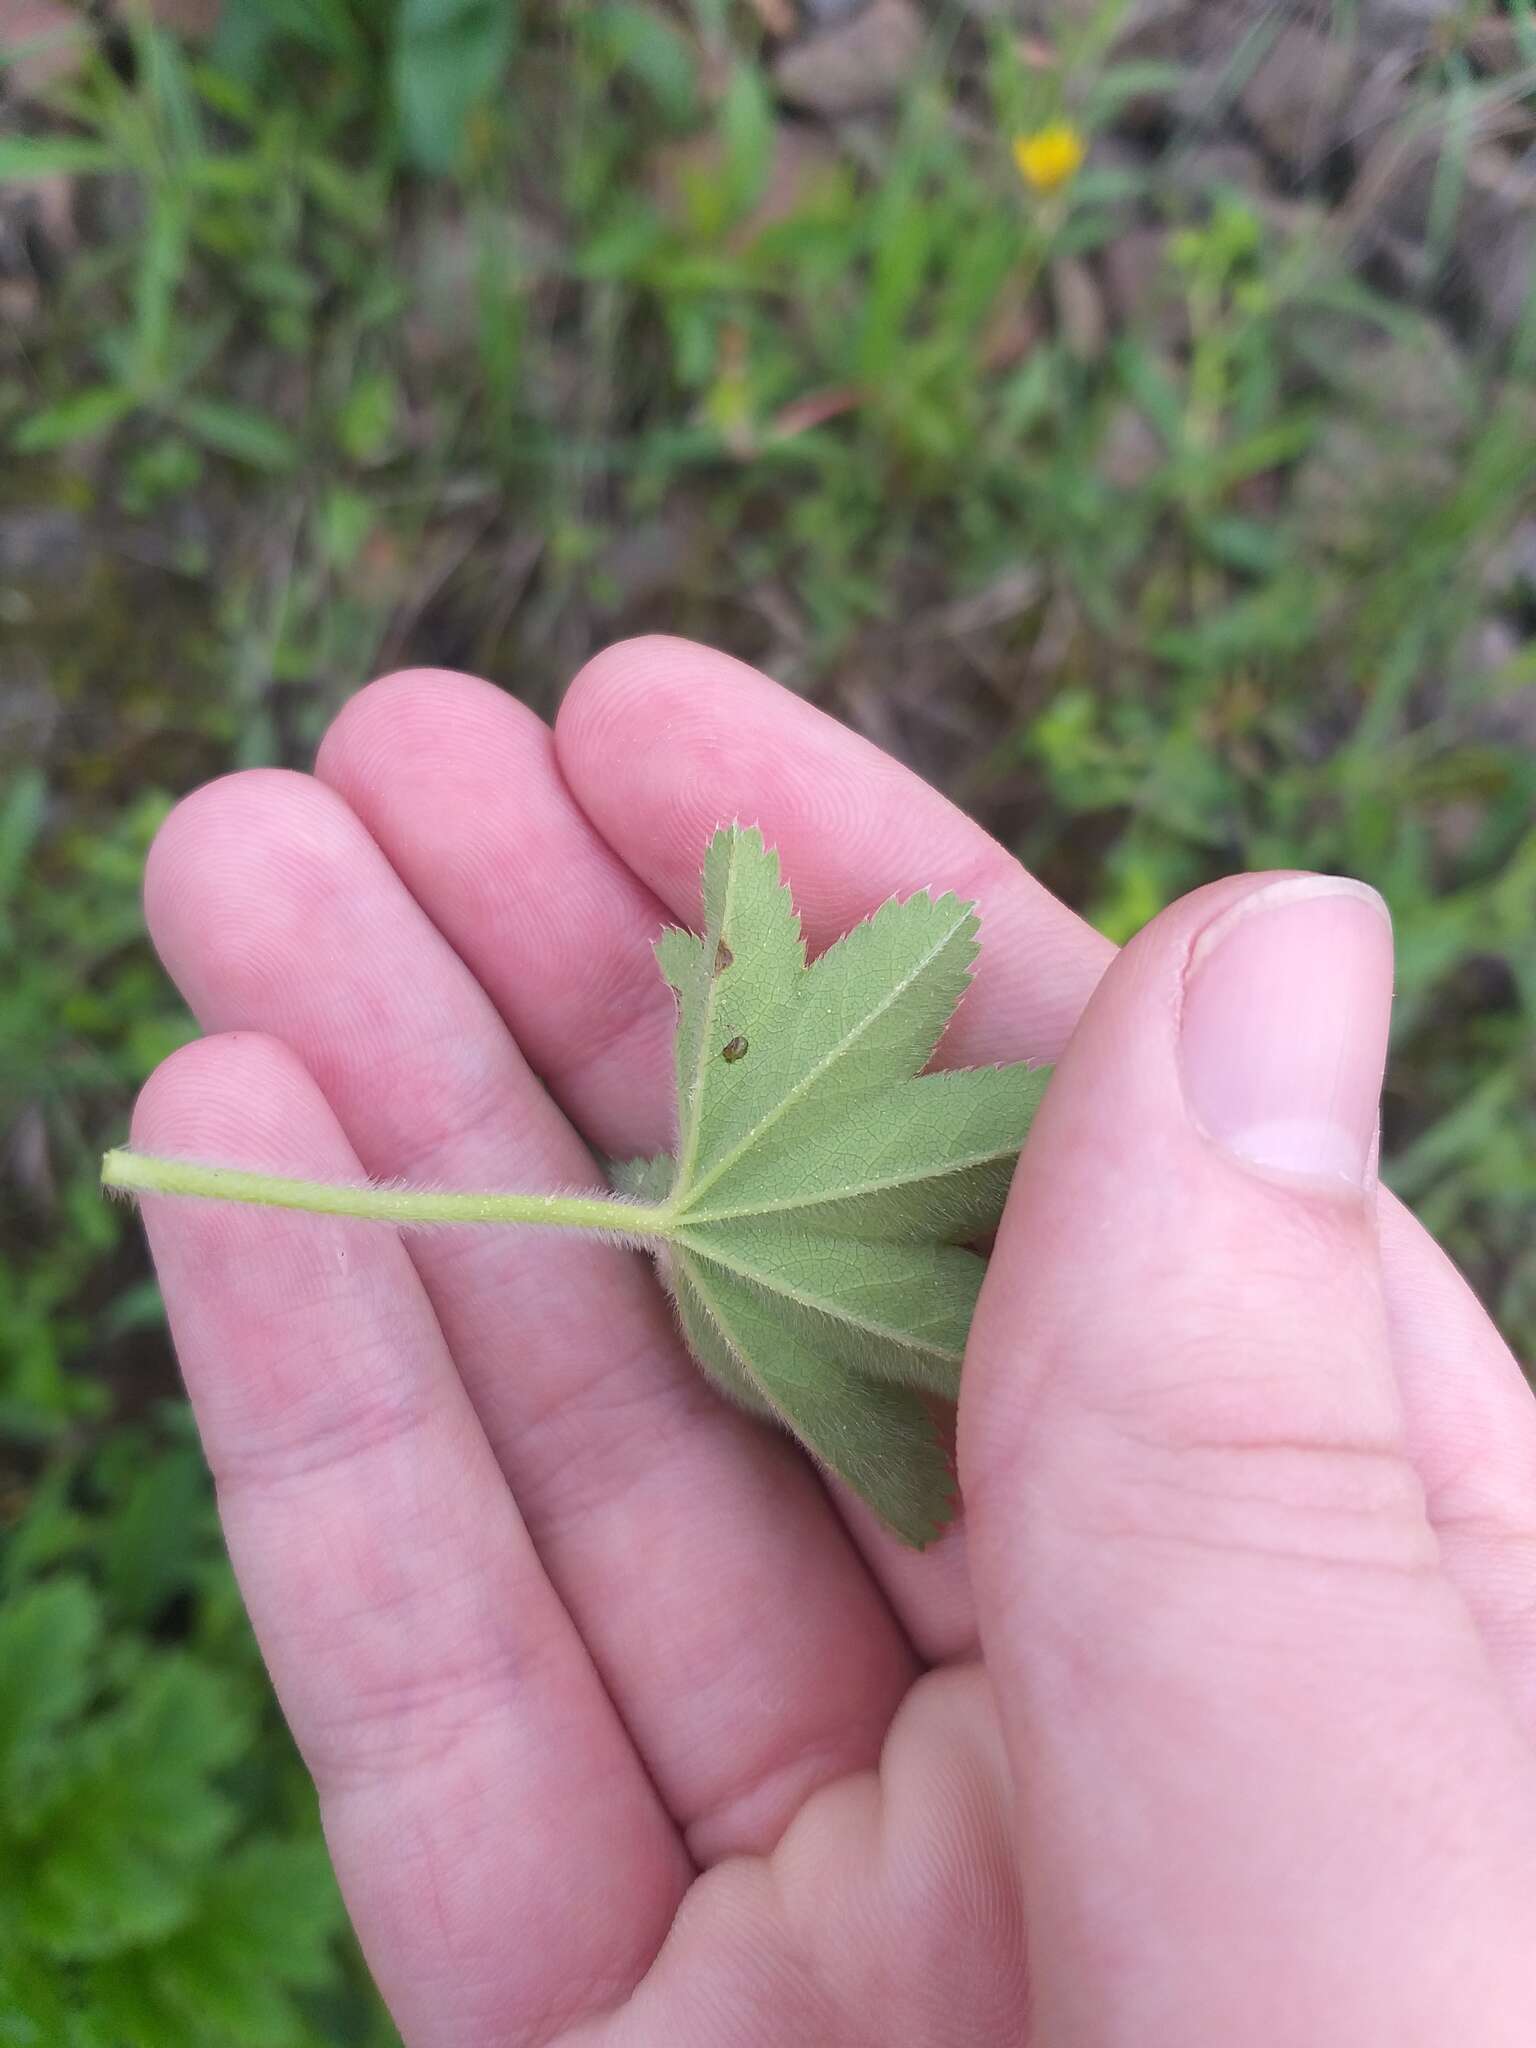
[1268,1791]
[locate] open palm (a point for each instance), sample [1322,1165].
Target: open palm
[626,1727]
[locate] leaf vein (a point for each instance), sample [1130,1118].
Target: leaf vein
[851,1190]
[838,1312]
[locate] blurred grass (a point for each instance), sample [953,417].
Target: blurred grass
[354,362]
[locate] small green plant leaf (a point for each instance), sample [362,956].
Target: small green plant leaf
[239,432]
[448,58]
[24,157]
[817,1223]
[825,1189]
[48,1636]
[82,416]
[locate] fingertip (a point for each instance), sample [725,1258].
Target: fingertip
[1157,1280]
[411,714]
[663,740]
[230,825]
[658,675]
[229,1092]
[205,822]
[1287,998]
[237,868]
[647,748]
[241,1099]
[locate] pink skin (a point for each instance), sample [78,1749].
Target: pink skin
[626,1729]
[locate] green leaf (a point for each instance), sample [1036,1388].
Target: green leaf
[24,157]
[22,810]
[268,1916]
[746,122]
[365,422]
[150,1553]
[643,43]
[80,417]
[48,1637]
[118,1852]
[825,1189]
[449,57]
[239,432]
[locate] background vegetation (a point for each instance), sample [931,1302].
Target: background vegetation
[1178,519]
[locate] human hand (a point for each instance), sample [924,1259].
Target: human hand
[626,1730]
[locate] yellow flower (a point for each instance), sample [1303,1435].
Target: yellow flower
[1050,157]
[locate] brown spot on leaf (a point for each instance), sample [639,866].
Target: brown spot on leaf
[735,1050]
[723,957]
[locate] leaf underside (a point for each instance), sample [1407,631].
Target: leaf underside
[824,1189]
